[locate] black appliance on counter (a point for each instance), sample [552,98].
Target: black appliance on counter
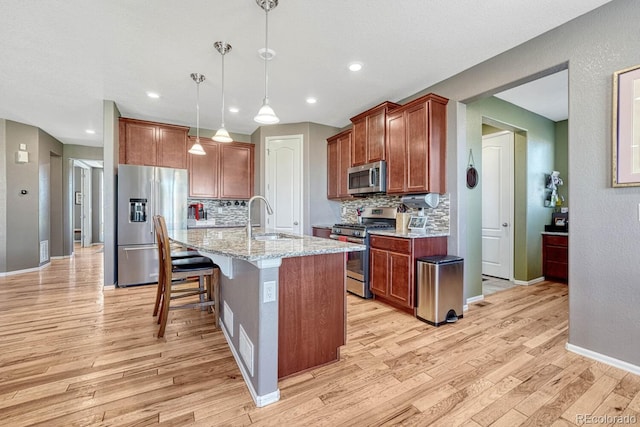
[358,262]
[559,223]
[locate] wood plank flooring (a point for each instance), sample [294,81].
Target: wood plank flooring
[74,354]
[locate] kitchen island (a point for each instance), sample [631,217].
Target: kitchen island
[282,301]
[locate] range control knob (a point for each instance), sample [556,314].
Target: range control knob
[356,233]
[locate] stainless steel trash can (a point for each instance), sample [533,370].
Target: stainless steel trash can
[439,295]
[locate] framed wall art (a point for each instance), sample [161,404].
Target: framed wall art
[626,127]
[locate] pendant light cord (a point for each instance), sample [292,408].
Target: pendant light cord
[224,52]
[198,112]
[266,53]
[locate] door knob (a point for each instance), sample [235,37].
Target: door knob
[295,222]
[504,224]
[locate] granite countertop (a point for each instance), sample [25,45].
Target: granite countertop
[210,223]
[233,242]
[409,234]
[555,233]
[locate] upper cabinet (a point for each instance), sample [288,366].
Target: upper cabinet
[152,144]
[203,170]
[416,146]
[369,129]
[236,170]
[338,161]
[225,172]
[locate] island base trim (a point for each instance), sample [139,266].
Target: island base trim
[260,401]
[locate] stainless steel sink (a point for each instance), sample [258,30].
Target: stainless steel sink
[274,236]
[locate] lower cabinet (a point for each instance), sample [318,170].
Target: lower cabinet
[392,265]
[555,257]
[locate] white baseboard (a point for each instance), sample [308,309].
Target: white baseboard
[27,270]
[471,301]
[260,401]
[528,282]
[616,363]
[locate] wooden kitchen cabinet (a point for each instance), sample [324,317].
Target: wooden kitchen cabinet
[416,146]
[152,144]
[555,257]
[236,170]
[369,134]
[392,264]
[323,232]
[203,171]
[338,161]
[225,172]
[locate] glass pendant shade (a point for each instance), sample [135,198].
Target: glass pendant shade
[266,115]
[197,149]
[222,136]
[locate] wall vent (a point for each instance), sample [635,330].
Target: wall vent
[246,350]
[227,318]
[44,251]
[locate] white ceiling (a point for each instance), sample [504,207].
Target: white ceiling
[59,59]
[547,96]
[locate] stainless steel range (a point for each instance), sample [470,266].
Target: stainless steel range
[358,262]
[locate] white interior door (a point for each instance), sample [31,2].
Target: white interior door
[497,205]
[85,185]
[284,183]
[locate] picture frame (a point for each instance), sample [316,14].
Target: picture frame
[417,223]
[626,130]
[78,198]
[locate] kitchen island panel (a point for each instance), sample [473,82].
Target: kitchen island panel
[312,312]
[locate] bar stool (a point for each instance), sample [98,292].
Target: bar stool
[183,270]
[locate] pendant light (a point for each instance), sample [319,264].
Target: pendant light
[196,148]
[266,115]
[222,135]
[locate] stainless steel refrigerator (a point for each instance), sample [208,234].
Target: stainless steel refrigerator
[145,191]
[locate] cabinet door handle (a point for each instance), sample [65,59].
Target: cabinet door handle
[295,222]
[504,224]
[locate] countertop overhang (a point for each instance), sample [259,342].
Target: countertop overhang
[233,243]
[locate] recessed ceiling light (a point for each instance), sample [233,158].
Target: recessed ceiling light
[234,109]
[311,100]
[153,95]
[355,66]
[90,131]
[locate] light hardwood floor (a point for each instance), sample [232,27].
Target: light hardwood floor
[73,354]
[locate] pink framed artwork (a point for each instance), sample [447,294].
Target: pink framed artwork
[626,127]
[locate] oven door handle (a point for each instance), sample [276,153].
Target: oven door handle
[349,239]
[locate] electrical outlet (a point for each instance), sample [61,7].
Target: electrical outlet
[212,221]
[344,211]
[219,210]
[269,294]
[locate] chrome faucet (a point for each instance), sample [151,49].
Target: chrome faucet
[269,211]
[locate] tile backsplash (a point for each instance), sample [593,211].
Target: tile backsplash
[437,218]
[232,212]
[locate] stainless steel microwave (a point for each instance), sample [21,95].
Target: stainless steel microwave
[369,178]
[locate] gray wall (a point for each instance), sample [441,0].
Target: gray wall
[111,147]
[561,158]
[49,179]
[3,196]
[605,233]
[27,218]
[56,217]
[97,231]
[22,210]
